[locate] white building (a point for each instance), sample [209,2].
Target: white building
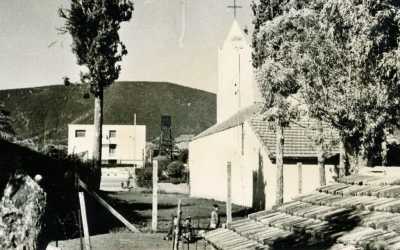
[242,137]
[122,144]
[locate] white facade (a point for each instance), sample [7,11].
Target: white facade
[238,139]
[122,144]
[236,84]
[253,172]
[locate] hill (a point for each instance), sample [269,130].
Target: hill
[43,113]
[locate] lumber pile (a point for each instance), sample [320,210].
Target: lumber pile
[360,212]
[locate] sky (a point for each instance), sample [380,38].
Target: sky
[167,40]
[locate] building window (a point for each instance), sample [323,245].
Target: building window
[112,162]
[112,133]
[111,149]
[80,133]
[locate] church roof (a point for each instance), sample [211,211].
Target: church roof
[359,212]
[236,33]
[298,136]
[233,121]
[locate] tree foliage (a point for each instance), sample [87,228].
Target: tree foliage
[350,64]
[273,46]
[341,58]
[94,26]
[175,169]
[6,129]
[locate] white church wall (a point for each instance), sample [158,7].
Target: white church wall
[207,161]
[208,157]
[310,179]
[254,152]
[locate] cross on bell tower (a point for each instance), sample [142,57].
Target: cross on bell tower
[234,7]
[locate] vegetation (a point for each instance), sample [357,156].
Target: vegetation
[94,27]
[144,177]
[355,87]
[275,76]
[6,129]
[192,110]
[173,172]
[344,59]
[175,169]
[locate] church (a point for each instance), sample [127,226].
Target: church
[242,138]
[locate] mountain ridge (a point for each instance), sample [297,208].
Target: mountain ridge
[43,113]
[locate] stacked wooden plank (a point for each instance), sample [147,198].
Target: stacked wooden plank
[370,179]
[361,213]
[227,239]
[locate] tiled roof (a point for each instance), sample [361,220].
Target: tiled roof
[363,212]
[298,136]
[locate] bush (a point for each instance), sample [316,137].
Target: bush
[144,177]
[175,169]
[184,155]
[163,162]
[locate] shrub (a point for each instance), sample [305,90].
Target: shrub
[184,155]
[175,169]
[144,177]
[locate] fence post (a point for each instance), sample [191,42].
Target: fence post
[229,193]
[154,220]
[176,241]
[84,220]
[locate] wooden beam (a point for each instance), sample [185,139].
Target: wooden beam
[109,208]
[84,220]
[176,238]
[155,197]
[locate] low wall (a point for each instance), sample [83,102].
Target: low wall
[118,172]
[182,188]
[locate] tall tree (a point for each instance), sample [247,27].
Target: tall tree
[345,57]
[350,65]
[94,26]
[274,74]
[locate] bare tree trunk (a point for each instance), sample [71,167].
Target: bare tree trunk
[321,167]
[321,155]
[279,164]
[342,155]
[98,124]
